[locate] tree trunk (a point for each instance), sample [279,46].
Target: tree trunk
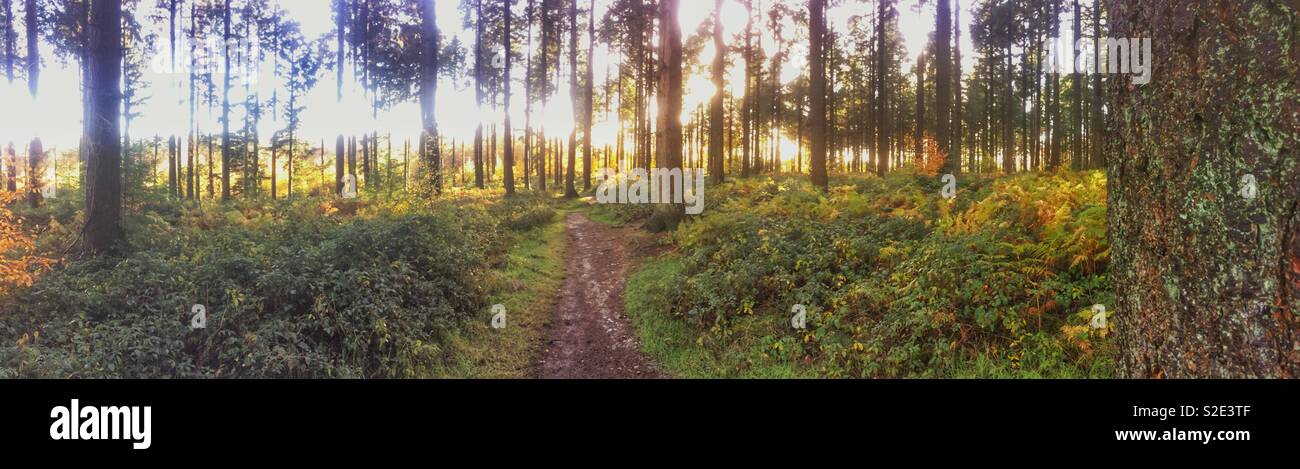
[918,143]
[103,228]
[1203,190]
[817,92]
[428,96]
[942,80]
[570,173]
[509,169]
[225,105]
[669,145]
[716,170]
[587,107]
[882,90]
[957,118]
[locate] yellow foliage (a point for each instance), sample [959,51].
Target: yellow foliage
[18,264]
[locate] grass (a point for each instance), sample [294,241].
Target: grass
[526,285]
[604,215]
[672,342]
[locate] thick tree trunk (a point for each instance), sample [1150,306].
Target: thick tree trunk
[1204,184]
[669,145]
[103,228]
[942,82]
[428,96]
[817,90]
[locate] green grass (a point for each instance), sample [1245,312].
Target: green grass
[672,342]
[526,284]
[604,214]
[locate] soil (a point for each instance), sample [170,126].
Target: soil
[589,336]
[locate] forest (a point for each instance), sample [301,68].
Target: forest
[421,189]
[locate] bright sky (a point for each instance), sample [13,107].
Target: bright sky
[55,115]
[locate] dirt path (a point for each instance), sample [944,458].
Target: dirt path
[589,337]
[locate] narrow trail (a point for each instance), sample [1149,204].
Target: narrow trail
[589,336]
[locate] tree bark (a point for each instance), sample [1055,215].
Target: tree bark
[1206,270]
[103,228]
[428,96]
[942,82]
[817,93]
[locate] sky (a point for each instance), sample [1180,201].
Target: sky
[56,112]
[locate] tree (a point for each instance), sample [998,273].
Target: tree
[1203,182]
[103,228]
[942,82]
[33,52]
[304,66]
[1076,86]
[669,146]
[587,110]
[8,36]
[569,174]
[817,96]
[958,117]
[479,52]
[225,102]
[919,138]
[715,103]
[509,169]
[428,85]
[882,88]
[1097,128]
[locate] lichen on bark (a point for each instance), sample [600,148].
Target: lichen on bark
[1207,273]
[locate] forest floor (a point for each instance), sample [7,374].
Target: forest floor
[589,335]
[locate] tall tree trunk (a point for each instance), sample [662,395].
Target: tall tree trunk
[225,104]
[588,111]
[10,38]
[509,169]
[1204,192]
[716,170]
[817,92]
[918,143]
[428,95]
[570,172]
[942,81]
[1054,154]
[669,145]
[478,91]
[528,99]
[103,228]
[33,52]
[1097,129]
[747,102]
[883,127]
[191,178]
[1076,83]
[957,118]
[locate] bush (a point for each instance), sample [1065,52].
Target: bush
[295,289]
[898,281]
